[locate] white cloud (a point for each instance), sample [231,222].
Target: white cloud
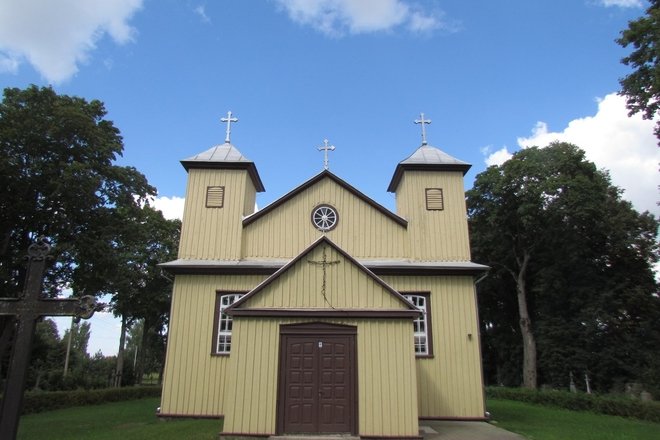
[8,64]
[338,17]
[419,22]
[201,12]
[623,145]
[498,157]
[171,207]
[56,36]
[621,3]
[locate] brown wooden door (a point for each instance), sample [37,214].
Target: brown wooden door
[318,384]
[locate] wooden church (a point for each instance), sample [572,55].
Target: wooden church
[324,312]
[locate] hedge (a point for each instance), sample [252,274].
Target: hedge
[614,406]
[39,401]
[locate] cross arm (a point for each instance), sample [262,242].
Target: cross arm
[83,307]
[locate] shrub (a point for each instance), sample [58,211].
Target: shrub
[39,401]
[614,406]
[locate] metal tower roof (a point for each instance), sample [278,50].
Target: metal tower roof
[224,156]
[427,158]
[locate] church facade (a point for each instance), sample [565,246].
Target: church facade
[324,312]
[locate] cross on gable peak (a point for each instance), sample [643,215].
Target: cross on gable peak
[423,122]
[325,148]
[229,119]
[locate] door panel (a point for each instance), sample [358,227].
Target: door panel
[318,388]
[334,396]
[301,388]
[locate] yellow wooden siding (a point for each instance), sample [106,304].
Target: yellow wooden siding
[347,287]
[386,388]
[252,382]
[434,235]
[215,233]
[386,372]
[362,230]
[250,198]
[450,384]
[194,381]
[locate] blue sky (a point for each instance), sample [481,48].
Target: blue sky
[493,76]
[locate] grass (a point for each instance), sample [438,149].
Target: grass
[136,420]
[542,423]
[130,420]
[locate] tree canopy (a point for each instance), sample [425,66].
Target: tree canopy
[642,86]
[572,272]
[60,182]
[140,290]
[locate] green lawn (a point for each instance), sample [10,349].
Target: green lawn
[543,423]
[131,420]
[136,420]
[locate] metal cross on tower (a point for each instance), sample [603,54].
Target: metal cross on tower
[27,309]
[325,148]
[324,263]
[423,121]
[228,120]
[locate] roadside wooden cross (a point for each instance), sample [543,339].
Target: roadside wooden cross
[324,263]
[27,309]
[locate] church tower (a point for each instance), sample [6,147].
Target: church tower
[221,191]
[430,195]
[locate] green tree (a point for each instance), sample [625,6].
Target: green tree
[578,260]
[47,354]
[99,370]
[60,181]
[140,292]
[642,86]
[75,341]
[80,333]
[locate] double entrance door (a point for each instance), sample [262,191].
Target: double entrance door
[317,379]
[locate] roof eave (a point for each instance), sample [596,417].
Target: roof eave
[325,313]
[400,168]
[182,267]
[250,167]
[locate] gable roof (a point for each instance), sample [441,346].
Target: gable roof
[325,174]
[404,308]
[427,158]
[225,156]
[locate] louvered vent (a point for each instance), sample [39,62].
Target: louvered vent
[215,196]
[434,199]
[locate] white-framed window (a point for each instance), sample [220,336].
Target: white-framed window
[422,324]
[224,322]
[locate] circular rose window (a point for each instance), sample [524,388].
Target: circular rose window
[324,217]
